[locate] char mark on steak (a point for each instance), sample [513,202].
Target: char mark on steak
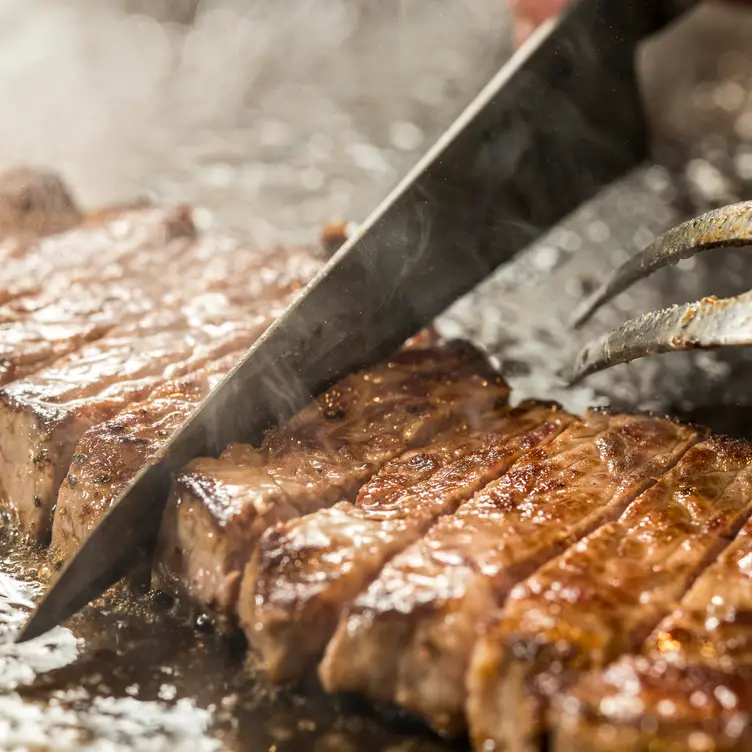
[603,596]
[224,299]
[219,508]
[689,686]
[408,638]
[305,572]
[110,454]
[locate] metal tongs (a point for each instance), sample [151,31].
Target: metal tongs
[708,323]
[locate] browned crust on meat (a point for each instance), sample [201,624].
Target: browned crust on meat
[305,572]
[325,453]
[424,613]
[603,596]
[109,455]
[691,685]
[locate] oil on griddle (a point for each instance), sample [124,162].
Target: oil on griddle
[277,129]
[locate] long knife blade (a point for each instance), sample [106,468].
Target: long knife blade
[559,121]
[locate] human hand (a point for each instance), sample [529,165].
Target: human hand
[529,14]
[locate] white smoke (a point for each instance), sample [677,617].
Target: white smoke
[290,111]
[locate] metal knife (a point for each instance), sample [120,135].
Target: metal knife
[559,121]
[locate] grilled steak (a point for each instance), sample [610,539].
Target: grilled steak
[44,321]
[43,416]
[109,455]
[305,572]
[604,595]
[218,508]
[108,250]
[408,638]
[690,685]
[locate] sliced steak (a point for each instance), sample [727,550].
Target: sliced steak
[408,638]
[109,455]
[691,685]
[305,572]
[221,303]
[604,595]
[218,508]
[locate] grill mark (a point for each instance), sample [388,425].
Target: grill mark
[572,616]
[428,602]
[275,571]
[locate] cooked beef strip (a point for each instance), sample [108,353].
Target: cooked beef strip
[408,638]
[305,572]
[109,455]
[43,416]
[691,685]
[604,595]
[218,508]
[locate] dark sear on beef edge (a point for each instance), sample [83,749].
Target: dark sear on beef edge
[408,637]
[306,571]
[219,507]
[690,687]
[604,595]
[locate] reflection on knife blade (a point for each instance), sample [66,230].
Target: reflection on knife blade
[562,119]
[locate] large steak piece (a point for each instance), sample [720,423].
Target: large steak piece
[220,507]
[409,637]
[604,596]
[109,455]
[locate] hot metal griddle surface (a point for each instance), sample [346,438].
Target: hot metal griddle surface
[131,674]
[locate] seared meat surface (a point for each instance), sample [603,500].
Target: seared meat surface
[604,595]
[306,571]
[219,508]
[109,454]
[691,680]
[408,637]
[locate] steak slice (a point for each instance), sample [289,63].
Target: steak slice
[43,416]
[408,638]
[109,455]
[689,688]
[604,595]
[305,572]
[218,508]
